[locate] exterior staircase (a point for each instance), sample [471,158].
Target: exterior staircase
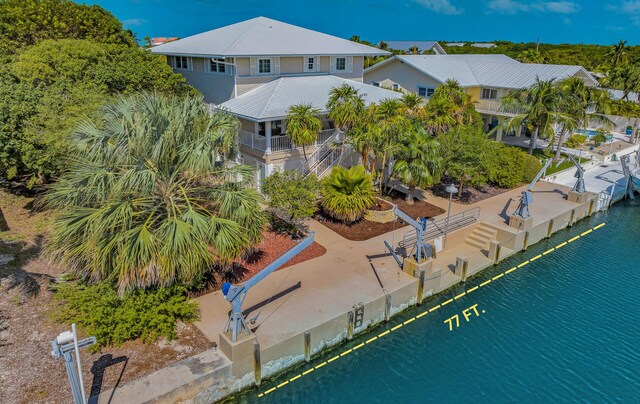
[328,154]
[481,236]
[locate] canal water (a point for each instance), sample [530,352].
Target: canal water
[565,327]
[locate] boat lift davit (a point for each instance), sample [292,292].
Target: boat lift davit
[235,294]
[527,196]
[421,248]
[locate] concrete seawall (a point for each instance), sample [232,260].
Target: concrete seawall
[210,376]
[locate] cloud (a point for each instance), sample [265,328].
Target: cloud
[131,22]
[630,8]
[555,7]
[440,6]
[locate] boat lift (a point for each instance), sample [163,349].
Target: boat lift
[420,246]
[631,174]
[526,199]
[235,294]
[579,185]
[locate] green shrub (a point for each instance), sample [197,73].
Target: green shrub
[347,194]
[600,138]
[532,167]
[575,141]
[291,192]
[145,314]
[506,166]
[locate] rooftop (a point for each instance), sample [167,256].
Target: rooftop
[421,45]
[263,36]
[273,99]
[487,70]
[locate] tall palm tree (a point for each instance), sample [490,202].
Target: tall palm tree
[450,106]
[585,104]
[414,50]
[419,161]
[153,197]
[303,125]
[362,134]
[542,107]
[625,78]
[618,55]
[345,106]
[392,123]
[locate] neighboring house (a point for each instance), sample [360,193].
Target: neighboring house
[422,46]
[257,69]
[162,40]
[457,44]
[484,45]
[487,78]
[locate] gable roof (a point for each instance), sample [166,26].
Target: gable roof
[273,99]
[486,70]
[421,45]
[263,36]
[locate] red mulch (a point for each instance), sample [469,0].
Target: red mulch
[364,229]
[469,194]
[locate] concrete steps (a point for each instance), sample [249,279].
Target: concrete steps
[481,236]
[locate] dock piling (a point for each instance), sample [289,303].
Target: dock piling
[307,346]
[421,287]
[387,308]
[257,366]
[350,325]
[550,228]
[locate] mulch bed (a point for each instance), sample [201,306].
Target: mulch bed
[469,194]
[365,230]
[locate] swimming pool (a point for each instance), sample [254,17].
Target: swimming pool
[589,133]
[562,328]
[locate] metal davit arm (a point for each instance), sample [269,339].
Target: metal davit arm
[527,196]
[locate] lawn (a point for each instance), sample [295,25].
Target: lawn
[545,154]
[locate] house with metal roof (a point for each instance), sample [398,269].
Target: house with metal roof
[421,46]
[487,78]
[257,69]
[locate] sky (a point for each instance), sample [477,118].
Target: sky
[558,21]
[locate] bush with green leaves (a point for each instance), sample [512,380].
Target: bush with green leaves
[599,138]
[145,314]
[507,166]
[292,192]
[347,193]
[532,167]
[153,197]
[575,141]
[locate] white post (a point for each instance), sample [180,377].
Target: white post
[256,130]
[267,136]
[80,377]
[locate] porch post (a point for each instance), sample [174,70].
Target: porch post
[499,132]
[267,137]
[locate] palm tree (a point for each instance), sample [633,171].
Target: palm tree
[413,104]
[392,122]
[347,193]
[414,50]
[362,134]
[303,125]
[418,162]
[345,106]
[585,104]
[618,56]
[542,107]
[450,106]
[625,78]
[153,198]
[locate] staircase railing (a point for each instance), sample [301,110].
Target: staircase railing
[321,153]
[435,228]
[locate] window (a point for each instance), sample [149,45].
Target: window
[310,64]
[264,66]
[217,66]
[489,94]
[276,128]
[395,87]
[181,63]
[375,84]
[262,129]
[341,64]
[426,92]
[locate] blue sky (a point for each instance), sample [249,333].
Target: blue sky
[557,21]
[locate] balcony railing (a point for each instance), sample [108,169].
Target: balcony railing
[495,108]
[280,142]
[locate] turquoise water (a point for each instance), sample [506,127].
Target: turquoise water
[566,327]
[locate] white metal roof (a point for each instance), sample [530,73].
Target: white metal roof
[263,36]
[487,70]
[421,45]
[273,99]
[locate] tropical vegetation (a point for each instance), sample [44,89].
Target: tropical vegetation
[347,193]
[303,125]
[152,198]
[293,193]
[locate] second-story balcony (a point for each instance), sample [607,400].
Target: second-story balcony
[277,143]
[494,107]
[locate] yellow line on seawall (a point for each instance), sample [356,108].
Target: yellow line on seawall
[371,340]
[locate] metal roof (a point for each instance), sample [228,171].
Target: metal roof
[421,45]
[619,95]
[263,36]
[273,99]
[487,70]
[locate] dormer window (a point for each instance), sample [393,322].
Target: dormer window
[264,66]
[341,64]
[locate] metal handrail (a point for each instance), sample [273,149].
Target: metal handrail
[456,222]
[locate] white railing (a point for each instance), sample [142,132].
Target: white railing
[280,142]
[323,150]
[327,162]
[495,107]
